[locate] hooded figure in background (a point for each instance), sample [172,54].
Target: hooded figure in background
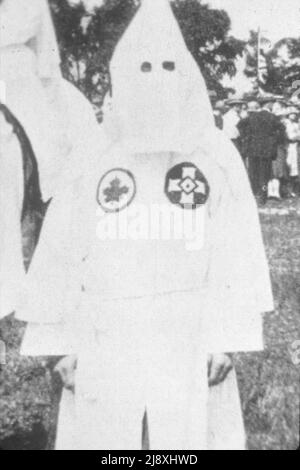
[31,82]
[143,269]
[57,123]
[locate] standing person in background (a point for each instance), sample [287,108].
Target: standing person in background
[280,107]
[231,120]
[244,111]
[293,134]
[218,114]
[280,167]
[261,134]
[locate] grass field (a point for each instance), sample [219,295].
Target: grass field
[269,381]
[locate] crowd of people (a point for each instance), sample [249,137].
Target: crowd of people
[267,134]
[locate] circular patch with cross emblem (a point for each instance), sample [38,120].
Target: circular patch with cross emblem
[116,190]
[187,186]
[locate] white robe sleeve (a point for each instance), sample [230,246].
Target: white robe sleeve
[52,283]
[238,280]
[49,340]
[52,290]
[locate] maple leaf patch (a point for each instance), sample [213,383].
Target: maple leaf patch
[116,190]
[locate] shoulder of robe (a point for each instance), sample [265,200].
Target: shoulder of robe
[33,5]
[231,164]
[81,180]
[76,100]
[106,144]
[106,147]
[81,107]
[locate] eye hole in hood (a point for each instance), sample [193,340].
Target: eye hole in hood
[146,67]
[169,65]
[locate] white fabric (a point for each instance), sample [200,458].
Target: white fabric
[131,336]
[82,129]
[274,189]
[225,430]
[29,68]
[292,159]
[230,123]
[12,270]
[292,129]
[293,132]
[142,101]
[84,136]
[225,427]
[142,315]
[29,23]
[77,239]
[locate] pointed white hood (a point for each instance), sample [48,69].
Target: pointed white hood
[160,100]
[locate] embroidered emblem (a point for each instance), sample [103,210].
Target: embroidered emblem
[116,190]
[187,186]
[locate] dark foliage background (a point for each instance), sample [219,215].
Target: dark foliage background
[282,74]
[87,41]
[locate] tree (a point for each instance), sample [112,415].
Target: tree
[285,72]
[281,62]
[87,41]
[72,39]
[206,32]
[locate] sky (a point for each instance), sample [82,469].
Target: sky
[277,18]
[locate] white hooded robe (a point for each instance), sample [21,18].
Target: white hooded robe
[143,312]
[58,121]
[31,80]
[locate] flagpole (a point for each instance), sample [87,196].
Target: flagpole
[258,58]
